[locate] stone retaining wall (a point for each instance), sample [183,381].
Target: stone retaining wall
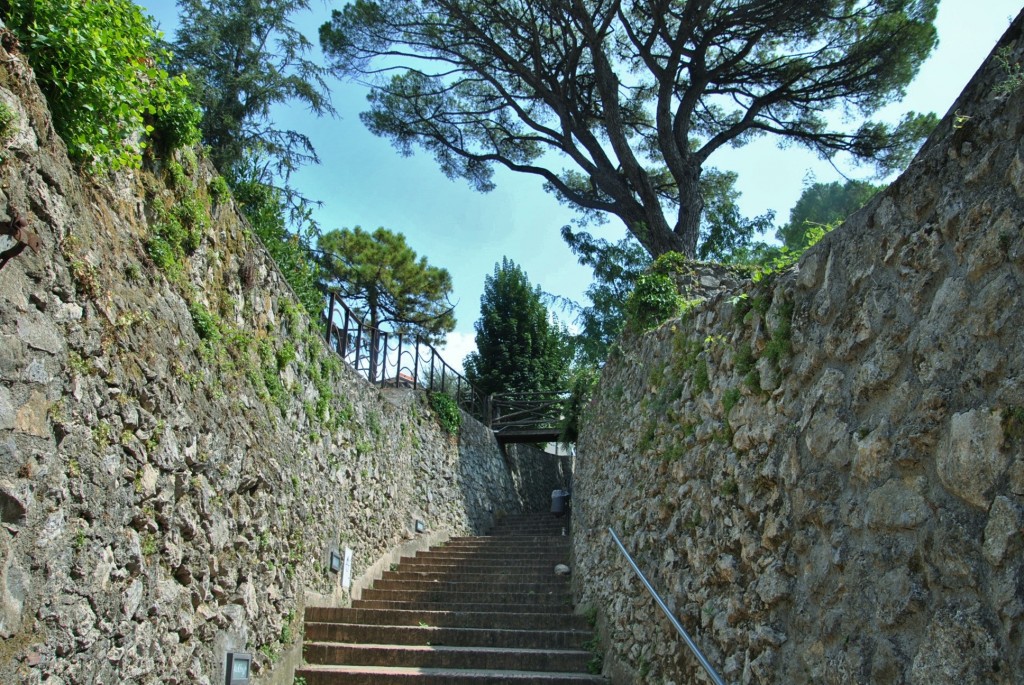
[170,488]
[824,472]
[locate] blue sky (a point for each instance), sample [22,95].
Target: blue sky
[363,181]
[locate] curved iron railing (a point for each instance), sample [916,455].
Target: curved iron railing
[389,359]
[717,679]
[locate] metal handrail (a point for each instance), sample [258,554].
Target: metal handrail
[678,626]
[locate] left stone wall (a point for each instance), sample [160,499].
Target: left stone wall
[171,485]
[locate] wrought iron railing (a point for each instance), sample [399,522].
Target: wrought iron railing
[389,359]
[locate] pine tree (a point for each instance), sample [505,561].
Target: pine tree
[381,275]
[518,348]
[621,106]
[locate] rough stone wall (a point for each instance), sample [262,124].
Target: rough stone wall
[823,472]
[166,493]
[536,473]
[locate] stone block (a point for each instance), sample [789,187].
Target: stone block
[13,357]
[970,459]
[1002,530]
[32,418]
[40,334]
[7,411]
[957,649]
[895,506]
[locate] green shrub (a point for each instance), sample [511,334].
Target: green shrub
[780,344]
[177,233]
[701,379]
[581,390]
[205,323]
[1013,423]
[162,254]
[447,411]
[191,215]
[218,189]
[266,209]
[7,118]
[654,299]
[1013,74]
[672,263]
[729,399]
[98,64]
[285,355]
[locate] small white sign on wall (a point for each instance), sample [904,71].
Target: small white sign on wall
[346,572]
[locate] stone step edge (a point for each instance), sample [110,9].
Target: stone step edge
[464,607]
[454,619]
[525,651]
[450,629]
[529,676]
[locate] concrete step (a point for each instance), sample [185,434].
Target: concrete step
[483,610]
[545,569]
[385,675]
[541,538]
[561,620]
[548,532]
[454,573]
[562,598]
[461,637]
[506,585]
[498,555]
[474,563]
[461,607]
[516,545]
[434,656]
[552,526]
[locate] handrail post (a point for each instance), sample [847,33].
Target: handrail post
[668,613]
[343,341]
[359,344]
[376,346]
[330,319]
[398,364]
[416,363]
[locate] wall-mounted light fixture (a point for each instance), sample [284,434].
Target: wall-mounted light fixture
[420,526]
[236,668]
[335,563]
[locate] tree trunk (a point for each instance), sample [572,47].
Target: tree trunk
[649,226]
[691,209]
[658,241]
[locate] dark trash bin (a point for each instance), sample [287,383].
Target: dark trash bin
[559,502]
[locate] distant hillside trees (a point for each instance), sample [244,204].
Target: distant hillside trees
[616,267]
[518,347]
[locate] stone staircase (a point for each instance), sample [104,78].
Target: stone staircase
[486,609]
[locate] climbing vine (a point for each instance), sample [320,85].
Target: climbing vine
[447,411]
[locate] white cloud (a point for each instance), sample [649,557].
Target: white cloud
[456,347]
